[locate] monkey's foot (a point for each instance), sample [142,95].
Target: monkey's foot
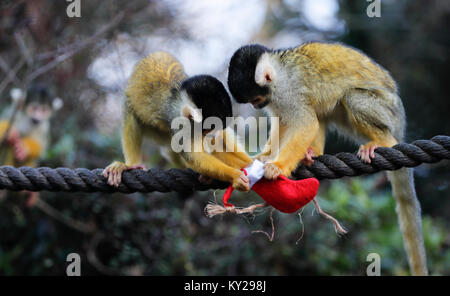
[204,179]
[308,160]
[242,183]
[114,172]
[271,171]
[367,152]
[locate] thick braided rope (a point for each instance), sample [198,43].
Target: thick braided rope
[324,167]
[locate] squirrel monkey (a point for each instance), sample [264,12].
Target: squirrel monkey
[316,85]
[28,135]
[28,139]
[159,91]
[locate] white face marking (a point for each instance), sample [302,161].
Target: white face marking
[188,108]
[264,69]
[287,94]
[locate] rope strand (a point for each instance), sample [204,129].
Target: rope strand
[185,181]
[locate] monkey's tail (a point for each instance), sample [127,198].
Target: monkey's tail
[409,217]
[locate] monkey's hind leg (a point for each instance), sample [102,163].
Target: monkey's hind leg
[375,118]
[317,146]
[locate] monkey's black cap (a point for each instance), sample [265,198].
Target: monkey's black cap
[39,93]
[209,94]
[241,73]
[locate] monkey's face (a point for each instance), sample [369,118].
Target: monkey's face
[241,76]
[209,95]
[38,113]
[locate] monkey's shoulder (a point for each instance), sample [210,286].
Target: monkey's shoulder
[328,56]
[158,71]
[338,63]
[151,84]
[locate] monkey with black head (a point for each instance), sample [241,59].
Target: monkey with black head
[318,85]
[28,136]
[158,92]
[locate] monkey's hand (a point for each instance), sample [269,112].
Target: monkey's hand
[308,160]
[367,152]
[114,172]
[271,171]
[21,151]
[241,183]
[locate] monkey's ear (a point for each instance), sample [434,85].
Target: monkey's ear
[264,72]
[16,95]
[57,104]
[190,112]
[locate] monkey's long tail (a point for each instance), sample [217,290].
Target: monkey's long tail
[409,218]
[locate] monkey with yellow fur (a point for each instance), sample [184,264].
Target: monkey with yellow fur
[28,137]
[319,85]
[159,91]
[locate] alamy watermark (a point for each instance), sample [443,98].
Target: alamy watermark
[190,136]
[374,268]
[74,266]
[73,8]
[374,8]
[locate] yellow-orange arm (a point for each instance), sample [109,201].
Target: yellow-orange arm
[294,144]
[233,153]
[33,147]
[3,127]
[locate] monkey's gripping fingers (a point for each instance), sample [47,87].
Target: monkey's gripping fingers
[114,172]
[367,152]
[271,171]
[242,183]
[308,160]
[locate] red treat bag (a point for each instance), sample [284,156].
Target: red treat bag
[283,194]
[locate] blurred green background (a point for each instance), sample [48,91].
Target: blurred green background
[87,61]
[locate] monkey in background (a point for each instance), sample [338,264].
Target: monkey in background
[159,91]
[28,135]
[319,85]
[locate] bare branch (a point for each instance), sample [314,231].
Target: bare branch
[82,45]
[24,49]
[8,79]
[5,67]
[68,221]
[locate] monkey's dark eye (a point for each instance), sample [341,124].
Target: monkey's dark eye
[257,100]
